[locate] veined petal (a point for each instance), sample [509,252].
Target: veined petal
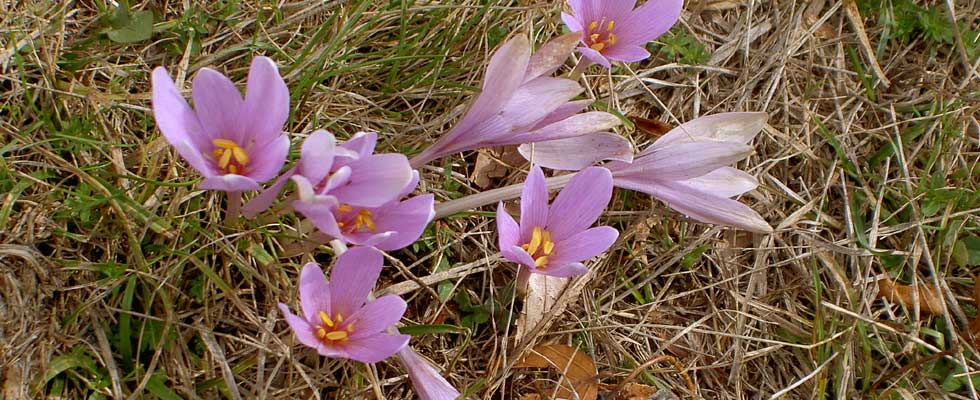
[552,55]
[314,292]
[518,255]
[562,270]
[580,204]
[534,202]
[701,206]
[267,162]
[362,143]
[685,160]
[377,315]
[229,183]
[723,182]
[617,10]
[428,383]
[594,56]
[533,101]
[174,117]
[195,158]
[407,219]
[218,105]
[320,211]
[738,127]
[265,199]
[563,111]
[649,21]
[354,275]
[301,328]
[508,232]
[317,155]
[505,73]
[266,102]
[626,53]
[372,349]
[584,245]
[573,25]
[576,125]
[577,152]
[375,180]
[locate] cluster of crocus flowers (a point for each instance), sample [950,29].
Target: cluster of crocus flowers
[235,143]
[614,30]
[521,103]
[353,195]
[337,319]
[689,169]
[555,239]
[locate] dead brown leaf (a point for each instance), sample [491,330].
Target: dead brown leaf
[653,128]
[930,301]
[493,164]
[577,367]
[541,297]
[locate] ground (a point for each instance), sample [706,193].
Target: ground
[118,279]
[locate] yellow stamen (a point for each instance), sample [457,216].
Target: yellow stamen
[546,244]
[592,26]
[609,26]
[225,159]
[363,219]
[340,224]
[321,333]
[225,143]
[326,319]
[226,151]
[350,327]
[612,39]
[344,208]
[340,318]
[594,37]
[597,46]
[337,335]
[541,261]
[240,155]
[532,247]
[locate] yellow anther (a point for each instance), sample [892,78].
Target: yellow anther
[225,143]
[344,208]
[592,26]
[225,159]
[350,327]
[340,318]
[228,150]
[240,155]
[232,168]
[321,333]
[609,26]
[594,37]
[541,261]
[363,219]
[612,39]
[532,246]
[326,319]
[597,46]
[547,246]
[337,335]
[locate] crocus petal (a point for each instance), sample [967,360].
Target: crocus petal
[301,328]
[362,143]
[626,53]
[505,73]
[195,158]
[723,182]
[584,10]
[314,292]
[174,117]
[407,220]
[229,183]
[576,125]
[376,316]
[573,24]
[266,101]
[338,178]
[317,155]
[218,105]
[686,160]
[578,152]
[410,187]
[579,205]
[508,232]
[265,199]
[738,127]
[304,188]
[534,202]
[594,56]
[618,10]
[584,245]
[701,206]
[375,348]
[267,161]
[320,211]
[428,383]
[649,21]
[564,111]
[563,270]
[518,255]
[531,103]
[550,56]
[353,277]
[375,180]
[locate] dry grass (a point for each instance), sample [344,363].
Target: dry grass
[117,280]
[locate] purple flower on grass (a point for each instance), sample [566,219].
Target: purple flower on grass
[554,240]
[337,319]
[688,169]
[235,143]
[613,30]
[521,103]
[429,384]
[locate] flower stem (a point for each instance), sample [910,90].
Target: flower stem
[481,199]
[582,66]
[338,247]
[234,209]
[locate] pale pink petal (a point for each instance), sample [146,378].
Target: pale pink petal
[573,25]
[739,127]
[578,152]
[362,144]
[649,21]
[531,103]
[534,202]
[584,245]
[375,180]
[594,56]
[563,111]
[428,383]
[685,160]
[229,183]
[195,158]
[218,104]
[375,348]
[314,292]
[268,196]
[562,270]
[316,155]
[701,206]
[174,117]
[320,211]
[267,161]
[376,316]
[550,56]
[407,219]
[580,203]
[722,182]
[618,10]
[576,125]
[301,328]
[266,102]
[518,255]
[508,232]
[505,73]
[626,53]
[354,275]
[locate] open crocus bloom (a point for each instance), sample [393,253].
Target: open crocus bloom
[428,383]
[688,168]
[337,319]
[234,143]
[555,240]
[613,30]
[521,103]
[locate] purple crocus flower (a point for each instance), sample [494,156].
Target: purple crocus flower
[429,384]
[555,240]
[235,143]
[521,103]
[613,30]
[688,169]
[337,319]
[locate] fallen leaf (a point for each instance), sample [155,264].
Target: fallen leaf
[494,163]
[650,127]
[577,367]
[541,297]
[637,391]
[930,301]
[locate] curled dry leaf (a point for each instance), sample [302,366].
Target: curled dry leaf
[577,368]
[653,128]
[930,301]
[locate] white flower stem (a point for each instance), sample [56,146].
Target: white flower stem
[234,209]
[338,247]
[488,197]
